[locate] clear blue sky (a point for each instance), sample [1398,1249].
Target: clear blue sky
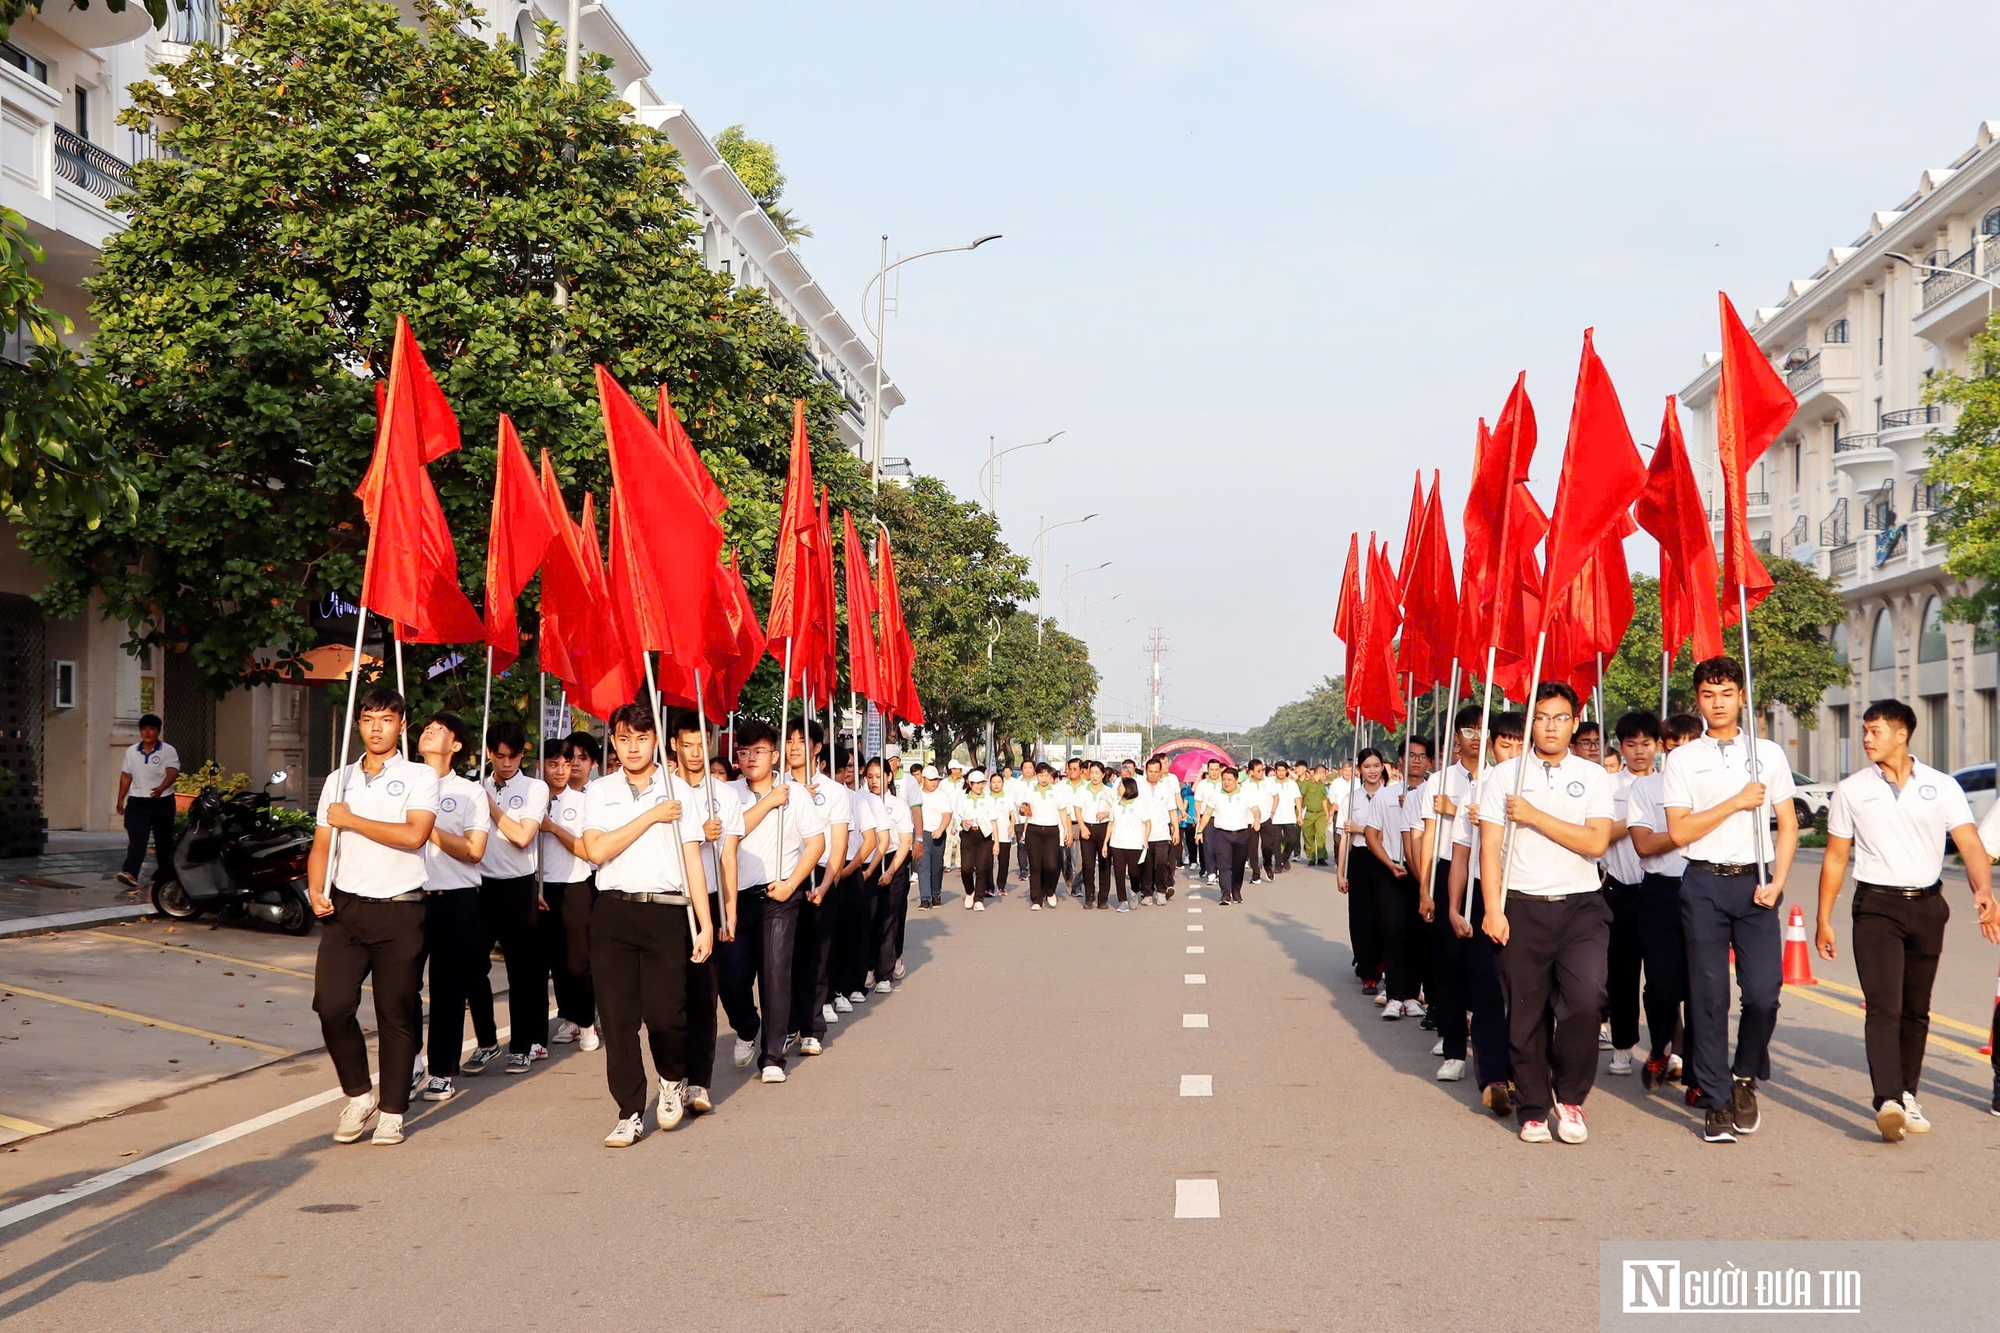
[1263,259]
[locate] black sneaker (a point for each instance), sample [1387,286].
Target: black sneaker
[1743,1106]
[1716,1127]
[1654,1073]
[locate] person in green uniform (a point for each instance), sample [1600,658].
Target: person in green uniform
[1312,788]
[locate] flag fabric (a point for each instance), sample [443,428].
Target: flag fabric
[1430,601]
[1672,510]
[1347,611]
[863,659]
[793,616]
[1474,598]
[580,643]
[688,459]
[411,571]
[1520,599]
[1752,404]
[829,663]
[1490,509]
[517,536]
[1602,474]
[1589,621]
[899,664]
[731,679]
[1413,528]
[1412,653]
[628,596]
[1381,699]
[1358,664]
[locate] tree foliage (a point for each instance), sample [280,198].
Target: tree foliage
[755,163]
[334,168]
[1965,464]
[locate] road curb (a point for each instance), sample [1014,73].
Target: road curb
[58,921]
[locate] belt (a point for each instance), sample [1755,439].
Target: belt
[412,896]
[1898,892]
[678,898]
[753,890]
[1727,869]
[1524,896]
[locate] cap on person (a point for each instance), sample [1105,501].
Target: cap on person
[976,775]
[929,771]
[954,764]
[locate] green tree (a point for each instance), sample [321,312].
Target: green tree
[755,163]
[52,404]
[1036,689]
[334,168]
[1315,727]
[1965,466]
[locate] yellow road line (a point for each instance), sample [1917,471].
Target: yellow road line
[145,1020]
[22,1126]
[199,953]
[1936,1018]
[1956,1047]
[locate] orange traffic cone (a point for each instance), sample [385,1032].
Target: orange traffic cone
[1798,954]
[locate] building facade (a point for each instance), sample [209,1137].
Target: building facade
[71,694]
[1844,490]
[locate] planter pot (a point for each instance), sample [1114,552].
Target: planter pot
[182,800]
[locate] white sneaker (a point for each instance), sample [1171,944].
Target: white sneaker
[868,983]
[1451,1071]
[1381,998]
[1413,1009]
[772,1074]
[898,974]
[354,1117]
[626,1132]
[862,994]
[830,1014]
[979,907]
[885,987]
[388,1130]
[438,1090]
[1536,1131]
[565,1032]
[1569,1124]
[1439,1048]
[1034,907]
[1393,1009]
[673,1102]
[745,1052]
[968,902]
[842,1004]
[588,1039]
[538,1052]
[809,1046]
[1913,1115]
[698,1099]
[1603,1036]
[1621,1061]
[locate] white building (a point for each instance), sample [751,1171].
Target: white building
[1844,489]
[67,687]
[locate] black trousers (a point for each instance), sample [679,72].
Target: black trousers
[1483,991]
[1288,845]
[1002,853]
[565,941]
[761,956]
[1364,929]
[1043,848]
[1093,860]
[975,864]
[639,962]
[810,956]
[1207,846]
[703,986]
[1663,954]
[854,930]
[892,905]
[1719,913]
[1160,857]
[455,942]
[1626,953]
[1897,942]
[1125,869]
[149,817]
[1449,967]
[1401,931]
[1552,977]
[368,937]
[507,909]
[1232,846]
[1264,851]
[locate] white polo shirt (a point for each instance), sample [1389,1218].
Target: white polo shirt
[1643,810]
[1385,815]
[982,810]
[1129,821]
[1455,783]
[461,810]
[149,770]
[653,863]
[559,864]
[1337,789]
[1232,811]
[367,869]
[701,802]
[1704,773]
[1287,808]
[898,818]
[523,798]
[940,807]
[759,857]
[1621,858]
[1574,791]
[1045,807]
[830,798]
[1006,811]
[1092,804]
[861,818]
[1899,836]
[1362,815]
[1465,833]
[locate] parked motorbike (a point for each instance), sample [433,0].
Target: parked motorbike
[234,856]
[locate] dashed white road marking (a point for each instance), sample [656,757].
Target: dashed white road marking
[1194,930]
[1197,1085]
[1194,1020]
[1197,1198]
[1195,978]
[1196,948]
[1194,911]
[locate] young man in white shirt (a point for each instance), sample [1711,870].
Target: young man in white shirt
[1892,819]
[1662,941]
[1545,910]
[812,996]
[1206,788]
[711,807]
[146,799]
[1361,872]
[1233,818]
[783,835]
[649,924]
[1436,805]
[854,927]
[567,893]
[1047,832]
[1720,793]
[508,902]
[1406,948]
[1638,737]
[1285,814]
[454,936]
[1483,993]
[365,878]
[1091,810]
[1156,872]
[892,903]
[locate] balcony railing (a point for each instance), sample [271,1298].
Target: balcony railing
[82,162]
[1878,515]
[1956,277]
[1927,497]
[196,21]
[1833,528]
[1804,375]
[1761,545]
[1848,444]
[1797,534]
[1991,260]
[1845,561]
[1757,500]
[1931,415]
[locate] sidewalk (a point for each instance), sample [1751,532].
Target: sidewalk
[74,883]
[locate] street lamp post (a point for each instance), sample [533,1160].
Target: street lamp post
[1067,577]
[1088,603]
[1935,269]
[989,472]
[1041,565]
[881,310]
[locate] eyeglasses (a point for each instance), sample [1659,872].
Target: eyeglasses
[1468,733]
[1554,719]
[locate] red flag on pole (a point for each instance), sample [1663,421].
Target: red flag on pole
[1358,664]
[730,679]
[1430,602]
[1602,474]
[1382,694]
[829,664]
[580,632]
[899,665]
[863,659]
[1520,597]
[793,615]
[1347,611]
[1752,405]
[516,538]
[688,460]
[1672,510]
[1413,532]
[1490,508]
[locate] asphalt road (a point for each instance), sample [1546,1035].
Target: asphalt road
[999,1145]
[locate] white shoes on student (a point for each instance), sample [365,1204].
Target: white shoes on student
[842,1004]
[673,1102]
[1451,1071]
[744,1053]
[626,1132]
[1621,1061]
[354,1117]
[588,1039]
[388,1130]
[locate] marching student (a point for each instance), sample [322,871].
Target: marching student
[1163,789]
[978,816]
[650,922]
[1006,813]
[1662,942]
[586,757]
[954,781]
[1285,812]
[508,903]
[710,809]
[812,1002]
[1067,790]
[1624,880]
[1483,992]
[1268,788]
[1047,833]
[1019,781]
[1361,873]
[1091,808]
[940,807]
[1892,818]
[1206,787]
[567,893]
[1588,742]
[1547,914]
[1406,947]
[849,968]
[146,800]
[365,879]
[1339,792]
[892,903]
[783,835]
[454,940]
[1438,802]
[1190,850]
[1232,820]
[1716,793]
[1130,834]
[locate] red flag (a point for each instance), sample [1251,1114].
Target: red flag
[1413,531]
[1430,602]
[1602,474]
[899,656]
[1347,611]
[1590,621]
[1382,695]
[863,660]
[1520,599]
[829,663]
[730,679]
[688,459]
[1468,635]
[516,537]
[1490,507]
[1358,663]
[1752,405]
[411,573]
[794,624]
[580,636]
[674,539]
[1672,510]
[628,598]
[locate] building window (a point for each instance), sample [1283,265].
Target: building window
[521,30]
[1930,642]
[1798,463]
[1841,737]
[1881,327]
[1836,332]
[1990,224]
[1989,713]
[27,64]
[1937,722]
[83,112]
[1882,656]
[1839,644]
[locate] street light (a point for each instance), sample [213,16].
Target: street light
[1067,577]
[881,303]
[1963,273]
[1041,548]
[989,468]
[1086,610]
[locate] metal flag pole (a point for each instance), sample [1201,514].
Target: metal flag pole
[397,639]
[541,739]
[347,737]
[486,714]
[1521,773]
[1604,742]
[1666,677]
[784,765]
[660,762]
[1486,709]
[1409,726]
[1750,725]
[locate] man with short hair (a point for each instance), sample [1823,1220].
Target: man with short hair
[1719,794]
[854,916]
[1163,791]
[1312,815]
[1588,742]
[1091,811]
[892,903]
[1483,992]
[146,801]
[1285,813]
[1438,802]
[712,809]
[1891,819]
[1624,881]
[567,894]
[509,903]
[933,818]
[365,879]
[454,936]
[812,999]
[1545,911]
[1043,838]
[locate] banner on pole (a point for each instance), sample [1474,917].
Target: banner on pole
[871,734]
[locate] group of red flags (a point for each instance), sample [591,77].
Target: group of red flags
[659,586]
[1530,579]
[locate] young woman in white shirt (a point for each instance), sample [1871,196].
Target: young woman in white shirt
[1362,872]
[1132,828]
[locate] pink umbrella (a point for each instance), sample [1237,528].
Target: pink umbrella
[1186,758]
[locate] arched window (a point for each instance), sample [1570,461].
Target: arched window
[1839,644]
[1882,645]
[1990,224]
[1836,331]
[1930,643]
[522,31]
